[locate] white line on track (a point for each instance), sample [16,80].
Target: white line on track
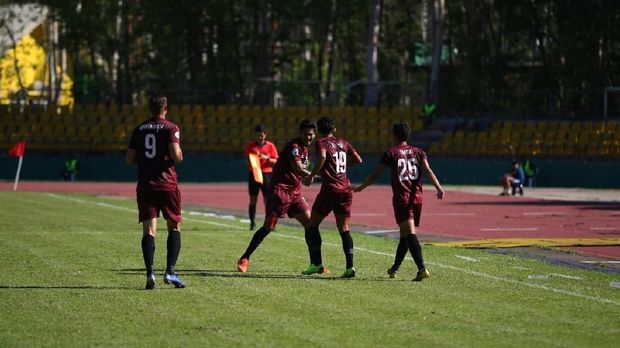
[510,229]
[437,264]
[449,214]
[605,228]
[380,231]
[601,261]
[544,213]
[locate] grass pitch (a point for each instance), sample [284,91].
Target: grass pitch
[72,275]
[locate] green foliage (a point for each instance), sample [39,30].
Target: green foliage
[74,276]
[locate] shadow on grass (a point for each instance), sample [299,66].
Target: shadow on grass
[68,287]
[273,275]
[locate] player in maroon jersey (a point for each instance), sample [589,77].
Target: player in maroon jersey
[333,155]
[405,162]
[268,155]
[155,148]
[284,196]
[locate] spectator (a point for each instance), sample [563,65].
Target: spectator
[71,167]
[530,170]
[513,180]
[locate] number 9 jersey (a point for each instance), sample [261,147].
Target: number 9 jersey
[405,162]
[151,141]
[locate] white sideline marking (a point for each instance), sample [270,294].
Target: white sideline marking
[510,229]
[565,276]
[437,264]
[466,258]
[540,213]
[604,228]
[601,261]
[521,268]
[380,231]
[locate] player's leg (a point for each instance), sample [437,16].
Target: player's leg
[313,236]
[407,231]
[277,205]
[149,231]
[505,182]
[171,209]
[253,188]
[342,222]
[147,216]
[400,214]
[342,212]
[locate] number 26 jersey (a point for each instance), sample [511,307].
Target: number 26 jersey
[151,141]
[405,162]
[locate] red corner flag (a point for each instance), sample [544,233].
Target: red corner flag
[18,149]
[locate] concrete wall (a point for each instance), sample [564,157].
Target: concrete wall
[210,167]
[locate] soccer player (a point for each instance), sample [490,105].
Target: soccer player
[405,162]
[268,155]
[155,148]
[284,196]
[333,153]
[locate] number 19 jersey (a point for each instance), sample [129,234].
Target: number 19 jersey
[405,165]
[334,171]
[151,141]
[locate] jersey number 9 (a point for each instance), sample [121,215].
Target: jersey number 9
[150,146]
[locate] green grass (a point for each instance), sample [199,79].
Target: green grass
[72,275]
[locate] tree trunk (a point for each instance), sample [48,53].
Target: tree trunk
[436,16]
[374,26]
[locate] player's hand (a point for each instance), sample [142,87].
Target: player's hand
[441,194]
[308,180]
[264,156]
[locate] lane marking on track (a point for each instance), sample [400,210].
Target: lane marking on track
[380,231]
[543,213]
[601,261]
[510,229]
[370,251]
[604,228]
[449,214]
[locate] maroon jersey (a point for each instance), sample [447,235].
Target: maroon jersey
[283,176]
[150,140]
[405,165]
[334,170]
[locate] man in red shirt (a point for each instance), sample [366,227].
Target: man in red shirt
[405,162]
[333,155]
[284,196]
[155,148]
[268,155]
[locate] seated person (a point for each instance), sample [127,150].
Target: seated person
[514,180]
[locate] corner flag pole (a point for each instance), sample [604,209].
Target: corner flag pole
[19,169]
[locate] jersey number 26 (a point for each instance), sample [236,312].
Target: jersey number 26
[408,169]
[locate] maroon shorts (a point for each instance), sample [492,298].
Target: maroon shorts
[337,201]
[281,203]
[150,203]
[408,212]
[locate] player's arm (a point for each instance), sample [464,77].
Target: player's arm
[175,152]
[298,168]
[354,159]
[427,168]
[370,178]
[320,161]
[130,157]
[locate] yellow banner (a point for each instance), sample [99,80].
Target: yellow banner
[255,164]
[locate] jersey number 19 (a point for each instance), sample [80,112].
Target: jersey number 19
[341,161]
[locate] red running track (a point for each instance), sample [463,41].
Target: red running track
[459,216]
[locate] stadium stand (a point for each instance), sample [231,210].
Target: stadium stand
[228,127]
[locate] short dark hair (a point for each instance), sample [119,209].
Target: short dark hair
[401,131]
[260,129]
[326,125]
[157,103]
[306,124]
